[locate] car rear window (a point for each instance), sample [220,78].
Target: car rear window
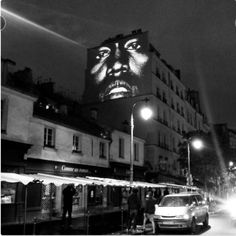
[174,201]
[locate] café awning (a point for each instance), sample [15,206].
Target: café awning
[16,178]
[60,180]
[117,182]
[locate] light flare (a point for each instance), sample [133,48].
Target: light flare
[22,19]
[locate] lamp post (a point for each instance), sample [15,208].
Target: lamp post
[197,144]
[146,114]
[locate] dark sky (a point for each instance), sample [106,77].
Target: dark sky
[196,36]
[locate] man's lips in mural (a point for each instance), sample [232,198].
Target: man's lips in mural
[118,86]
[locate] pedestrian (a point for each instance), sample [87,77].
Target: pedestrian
[166,191]
[149,210]
[134,205]
[68,194]
[158,195]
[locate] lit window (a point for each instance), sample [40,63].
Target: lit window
[102,150]
[49,137]
[136,152]
[121,147]
[76,143]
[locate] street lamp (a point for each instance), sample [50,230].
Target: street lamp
[197,144]
[146,113]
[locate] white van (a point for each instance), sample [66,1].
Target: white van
[181,211]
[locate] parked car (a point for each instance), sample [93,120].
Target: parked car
[181,211]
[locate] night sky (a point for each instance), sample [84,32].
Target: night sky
[196,36]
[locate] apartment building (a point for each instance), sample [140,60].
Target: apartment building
[125,70]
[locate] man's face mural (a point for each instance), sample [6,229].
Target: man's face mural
[118,68]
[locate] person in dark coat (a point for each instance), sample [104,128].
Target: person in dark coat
[134,205]
[68,194]
[149,210]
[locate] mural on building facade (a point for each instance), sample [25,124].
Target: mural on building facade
[117,68]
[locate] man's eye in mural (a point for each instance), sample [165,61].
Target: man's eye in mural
[103,53]
[132,45]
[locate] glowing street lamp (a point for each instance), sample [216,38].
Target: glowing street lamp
[231,164]
[197,144]
[146,113]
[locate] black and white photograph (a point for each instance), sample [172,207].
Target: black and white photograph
[118,117]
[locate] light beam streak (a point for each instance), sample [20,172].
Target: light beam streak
[22,19]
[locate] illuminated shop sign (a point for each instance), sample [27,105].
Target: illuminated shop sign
[116,69]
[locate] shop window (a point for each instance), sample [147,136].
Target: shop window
[114,196]
[76,144]
[49,137]
[121,147]
[34,195]
[102,150]
[8,193]
[95,195]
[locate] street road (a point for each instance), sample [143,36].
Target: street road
[219,225]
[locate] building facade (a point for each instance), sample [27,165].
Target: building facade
[125,70]
[38,138]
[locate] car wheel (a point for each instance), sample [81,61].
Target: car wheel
[206,221]
[193,226]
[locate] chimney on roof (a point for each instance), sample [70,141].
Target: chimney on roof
[118,36]
[136,31]
[4,64]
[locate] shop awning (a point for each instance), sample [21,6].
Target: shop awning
[89,180]
[60,180]
[116,182]
[16,178]
[178,186]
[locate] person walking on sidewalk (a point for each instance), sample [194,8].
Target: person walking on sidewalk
[134,205]
[68,194]
[149,210]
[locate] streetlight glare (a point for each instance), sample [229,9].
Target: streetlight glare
[197,144]
[146,113]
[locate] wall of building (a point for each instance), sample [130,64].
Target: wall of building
[17,111]
[63,151]
[114,148]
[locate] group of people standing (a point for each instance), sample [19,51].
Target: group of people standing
[135,205]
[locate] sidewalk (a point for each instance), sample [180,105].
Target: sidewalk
[139,231]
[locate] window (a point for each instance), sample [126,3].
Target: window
[94,114]
[76,143]
[8,193]
[49,137]
[163,163]
[178,110]
[136,151]
[95,195]
[36,195]
[121,147]
[157,72]
[163,76]
[4,108]
[164,97]
[177,90]
[158,92]
[102,150]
